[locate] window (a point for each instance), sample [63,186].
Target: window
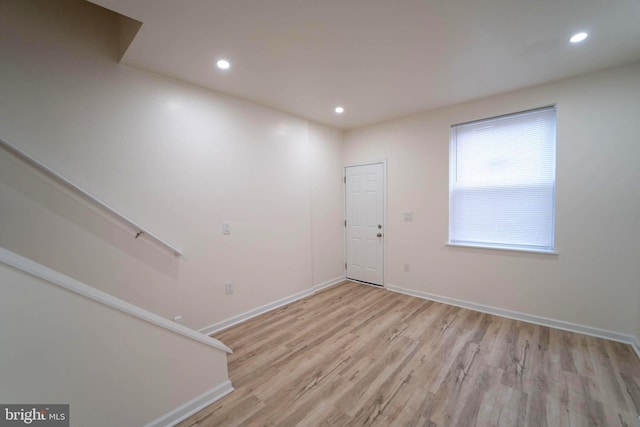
[502,181]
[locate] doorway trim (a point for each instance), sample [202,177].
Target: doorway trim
[384,216]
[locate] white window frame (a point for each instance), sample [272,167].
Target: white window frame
[452,177]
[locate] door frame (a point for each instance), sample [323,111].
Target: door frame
[384,216]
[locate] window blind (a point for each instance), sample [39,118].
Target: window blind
[502,181]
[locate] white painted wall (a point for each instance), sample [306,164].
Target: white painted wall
[174,157]
[327,207]
[637,330]
[594,279]
[111,368]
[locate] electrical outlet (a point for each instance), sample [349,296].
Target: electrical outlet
[228,288]
[177,319]
[406,267]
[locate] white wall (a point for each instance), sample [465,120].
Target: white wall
[327,207]
[111,368]
[594,279]
[174,157]
[637,331]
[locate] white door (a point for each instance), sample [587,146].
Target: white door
[365,222]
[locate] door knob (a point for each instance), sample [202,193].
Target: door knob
[379,234]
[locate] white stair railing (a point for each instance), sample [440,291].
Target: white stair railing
[139,230]
[40,271]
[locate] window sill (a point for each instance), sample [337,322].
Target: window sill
[503,248]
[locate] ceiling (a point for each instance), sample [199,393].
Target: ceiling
[378,59]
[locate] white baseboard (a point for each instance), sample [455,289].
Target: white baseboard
[524,317]
[227,323]
[193,406]
[329,283]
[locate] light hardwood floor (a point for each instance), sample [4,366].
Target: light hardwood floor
[355,355]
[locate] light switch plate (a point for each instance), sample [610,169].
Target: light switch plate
[228,288]
[408,216]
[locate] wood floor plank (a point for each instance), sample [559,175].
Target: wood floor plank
[356,355]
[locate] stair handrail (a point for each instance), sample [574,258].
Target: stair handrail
[51,276]
[140,231]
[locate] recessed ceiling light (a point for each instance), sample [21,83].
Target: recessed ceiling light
[223,64]
[339,110]
[577,38]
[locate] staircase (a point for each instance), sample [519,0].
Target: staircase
[65,342]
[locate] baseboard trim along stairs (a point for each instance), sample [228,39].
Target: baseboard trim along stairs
[217,327]
[524,317]
[185,411]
